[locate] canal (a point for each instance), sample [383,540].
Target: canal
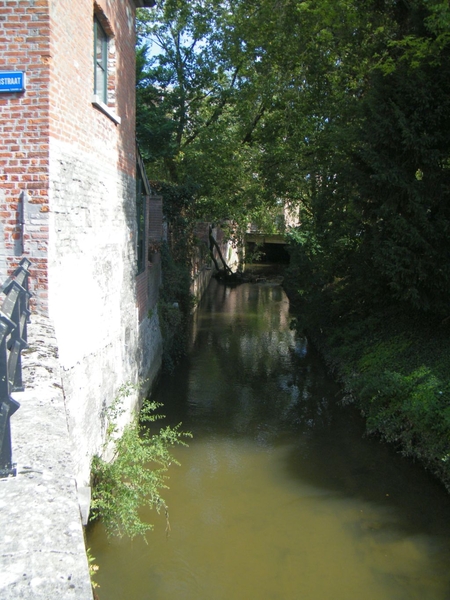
[279,495]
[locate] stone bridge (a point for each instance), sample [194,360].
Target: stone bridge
[271,246]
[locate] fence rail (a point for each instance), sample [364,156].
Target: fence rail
[14,315]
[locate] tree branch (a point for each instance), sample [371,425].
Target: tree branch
[216,114]
[248,136]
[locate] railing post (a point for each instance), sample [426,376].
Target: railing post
[8,406]
[14,315]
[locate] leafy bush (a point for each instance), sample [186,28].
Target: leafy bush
[137,473]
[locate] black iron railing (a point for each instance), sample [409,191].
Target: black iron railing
[14,315]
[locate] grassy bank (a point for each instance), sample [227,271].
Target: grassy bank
[395,367]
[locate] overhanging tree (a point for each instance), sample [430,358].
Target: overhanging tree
[338,107]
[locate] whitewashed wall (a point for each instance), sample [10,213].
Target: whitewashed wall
[92,298]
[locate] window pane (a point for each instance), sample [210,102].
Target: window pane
[101,83]
[99,46]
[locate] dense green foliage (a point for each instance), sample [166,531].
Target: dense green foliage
[340,108]
[376,218]
[197,111]
[137,472]
[370,265]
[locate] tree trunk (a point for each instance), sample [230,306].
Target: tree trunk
[225,271]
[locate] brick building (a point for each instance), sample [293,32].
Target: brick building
[72,199]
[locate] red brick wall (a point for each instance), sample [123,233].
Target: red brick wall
[53,43]
[73,117]
[24,124]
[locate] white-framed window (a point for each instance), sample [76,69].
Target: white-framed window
[104,66]
[100,62]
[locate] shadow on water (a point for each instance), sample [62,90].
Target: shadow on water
[330,451]
[298,405]
[280,494]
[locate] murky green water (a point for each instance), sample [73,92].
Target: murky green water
[279,495]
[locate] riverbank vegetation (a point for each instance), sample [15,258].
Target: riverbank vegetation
[341,110]
[393,365]
[135,475]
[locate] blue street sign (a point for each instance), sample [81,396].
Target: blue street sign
[12,81]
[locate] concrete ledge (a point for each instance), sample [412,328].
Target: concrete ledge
[42,550]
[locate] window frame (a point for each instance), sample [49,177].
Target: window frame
[100,88]
[104,67]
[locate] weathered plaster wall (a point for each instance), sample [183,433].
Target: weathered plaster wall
[92,293]
[150,350]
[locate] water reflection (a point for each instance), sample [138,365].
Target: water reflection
[279,495]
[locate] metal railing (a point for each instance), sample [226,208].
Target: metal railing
[14,315]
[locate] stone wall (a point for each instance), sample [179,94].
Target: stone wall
[92,293]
